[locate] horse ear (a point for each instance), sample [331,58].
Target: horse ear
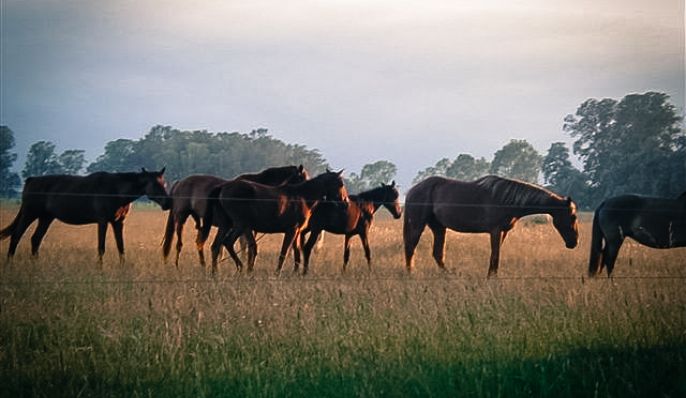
[327,170]
[393,184]
[300,168]
[340,172]
[163,169]
[144,170]
[569,200]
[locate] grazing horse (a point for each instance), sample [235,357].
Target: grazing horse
[659,223]
[355,219]
[490,204]
[100,198]
[250,207]
[190,199]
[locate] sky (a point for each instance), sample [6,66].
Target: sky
[409,82]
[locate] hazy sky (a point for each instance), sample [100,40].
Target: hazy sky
[405,81]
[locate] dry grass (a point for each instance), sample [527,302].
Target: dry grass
[70,327]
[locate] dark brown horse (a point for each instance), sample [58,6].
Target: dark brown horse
[659,223]
[490,204]
[100,198]
[355,219]
[190,199]
[248,207]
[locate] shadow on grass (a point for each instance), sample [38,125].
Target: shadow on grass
[618,372]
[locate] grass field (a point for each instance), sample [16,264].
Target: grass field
[69,327]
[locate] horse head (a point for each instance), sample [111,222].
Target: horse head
[333,186]
[155,187]
[391,199]
[566,223]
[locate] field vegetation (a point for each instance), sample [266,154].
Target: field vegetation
[69,327]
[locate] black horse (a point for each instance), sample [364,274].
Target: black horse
[246,207]
[659,223]
[100,198]
[355,219]
[190,199]
[490,204]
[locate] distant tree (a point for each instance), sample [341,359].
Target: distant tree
[372,175]
[517,159]
[71,161]
[41,160]
[466,168]
[9,180]
[562,177]
[439,169]
[117,157]
[200,152]
[629,146]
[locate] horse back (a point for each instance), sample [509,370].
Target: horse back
[191,193]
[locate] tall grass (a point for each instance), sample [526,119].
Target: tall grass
[69,327]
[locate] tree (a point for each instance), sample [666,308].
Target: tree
[41,160]
[117,157]
[517,159]
[562,177]
[630,145]
[9,180]
[466,168]
[372,175]
[439,169]
[71,161]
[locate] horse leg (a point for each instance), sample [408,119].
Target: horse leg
[216,245]
[610,254]
[102,233]
[367,251]
[18,231]
[411,234]
[346,252]
[252,249]
[180,222]
[43,224]
[497,237]
[229,242]
[297,246]
[307,247]
[439,244]
[118,228]
[287,242]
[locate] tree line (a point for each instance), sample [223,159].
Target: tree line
[633,145]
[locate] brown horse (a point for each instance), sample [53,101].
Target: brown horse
[490,204]
[246,207]
[659,223]
[355,219]
[190,199]
[100,198]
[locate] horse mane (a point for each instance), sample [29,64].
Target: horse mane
[371,194]
[515,192]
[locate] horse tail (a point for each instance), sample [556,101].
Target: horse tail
[596,245]
[9,230]
[212,202]
[168,234]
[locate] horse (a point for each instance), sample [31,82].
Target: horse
[246,207]
[190,195]
[490,205]
[100,198]
[659,223]
[356,219]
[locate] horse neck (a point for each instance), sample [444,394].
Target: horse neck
[128,188]
[540,203]
[373,198]
[311,190]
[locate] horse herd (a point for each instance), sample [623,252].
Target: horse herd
[285,200]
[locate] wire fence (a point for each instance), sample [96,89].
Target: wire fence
[310,279]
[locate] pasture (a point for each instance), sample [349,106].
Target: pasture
[69,327]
